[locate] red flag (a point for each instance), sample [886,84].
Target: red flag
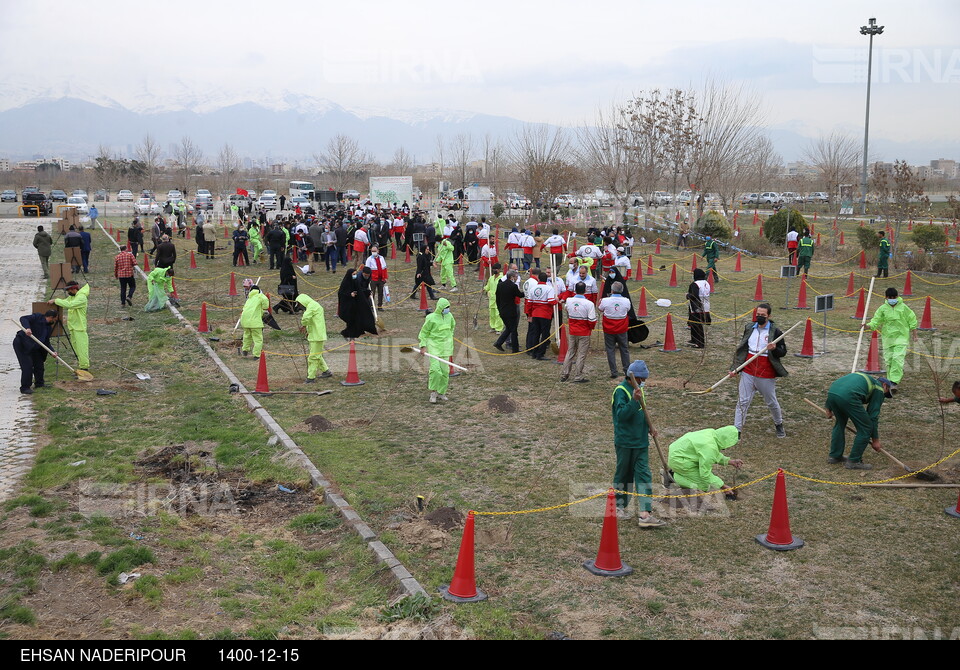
[243,192]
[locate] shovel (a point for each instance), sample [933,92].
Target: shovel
[142,376]
[327,392]
[745,363]
[925,476]
[82,375]
[407,350]
[667,479]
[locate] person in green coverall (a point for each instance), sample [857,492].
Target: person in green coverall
[256,243]
[692,457]
[883,257]
[631,442]
[845,402]
[496,323]
[251,318]
[711,253]
[805,254]
[159,284]
[445,260]
[76,306]
[313,325]
[436,337]
[896,323]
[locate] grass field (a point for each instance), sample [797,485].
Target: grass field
[877,559]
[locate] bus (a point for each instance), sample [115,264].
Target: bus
[303,188]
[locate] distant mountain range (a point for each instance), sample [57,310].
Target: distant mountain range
[72,122]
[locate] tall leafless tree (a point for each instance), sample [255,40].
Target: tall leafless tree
[402,162]
[228,167]
[837,157]
[765,161]
[643,127]
[189,162]
[342,160]
[149,154]
[605,152]
[541,155]
[900,195]
[461,154]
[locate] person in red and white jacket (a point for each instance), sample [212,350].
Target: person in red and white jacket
[514,250]
[527,243]
[557,246]
[616,319]
[360,243]
[623,262]
[592,254]
[488,256]
[584,276]
[582,317]
[483,232]
[399,227]
[539,310]
[378,273]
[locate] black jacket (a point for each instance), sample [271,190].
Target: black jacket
[507,293]
[275,238]
[743,351]
[37,323]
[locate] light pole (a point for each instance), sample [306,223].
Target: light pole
[871,30]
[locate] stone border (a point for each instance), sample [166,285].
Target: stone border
[382,553]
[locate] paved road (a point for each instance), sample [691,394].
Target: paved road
[21,282]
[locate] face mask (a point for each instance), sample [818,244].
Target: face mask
[893,301]
[446,310]
[612,275]
[761,320]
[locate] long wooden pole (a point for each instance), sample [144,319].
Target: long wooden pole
[863,324]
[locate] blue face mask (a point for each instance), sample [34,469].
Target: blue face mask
[892,301]
[446,310]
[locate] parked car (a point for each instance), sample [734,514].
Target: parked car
[79,193]
[203,202]
[515,201]
[58,196]
[147,206]
[125,195]
[818,197]
[660,198]
[304,204]
[101,196]
[37,199]
[770,198]
[173,195]
[204,192]
[749,199]
[351,195]
[9,196]
[266,203]
[79,203]
[684,198]
[147,193]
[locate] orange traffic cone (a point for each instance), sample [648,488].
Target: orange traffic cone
[562,355]
[188,232]
[778,537]
[460,266]
[863,260]
[710,282]
[814,216]
[482,275]
[423,298]
[842,243]
[393,252]
[657,252]
[463,586]
[818,239]
[642,307]
[353,376]
[673,277]
[203,327]
[452,371]
[761,230]
[607,562]
[850,288]
[226,235]
[173,285]
[639,269]
[294,257]
[146,262]
[758,293]
[407,259]
[263,384]
[806,351]
[233,285]
[953,511]
[860,306]
[650,265]
[739,266]
[908,286]
[693,265]
[111,228]
[926,323]
[193,261]
[802,296]
[873,356]
[669,344]
[910,226]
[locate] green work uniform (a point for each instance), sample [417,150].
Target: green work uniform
[630,442]
[436,337]
[256,244]
[895,323]
[693,456]
[76,306]
[711,253]
[496,323]
[805,255]
[316,326]
[846,399]
[445,259]
[883,256]
[159,286]
[251,319]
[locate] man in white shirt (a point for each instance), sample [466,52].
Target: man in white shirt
[622,262]
[616,319]
[582,318]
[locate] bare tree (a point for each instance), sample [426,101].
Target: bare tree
[149,154]
[343,159]
[765,162]
[402,162]
[643,125]
[228,167]
[900,194]
[189,162]
[605,152]
[441,150]
[837,158]
[462,151]
[542,155]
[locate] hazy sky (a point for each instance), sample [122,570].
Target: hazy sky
[537,61]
